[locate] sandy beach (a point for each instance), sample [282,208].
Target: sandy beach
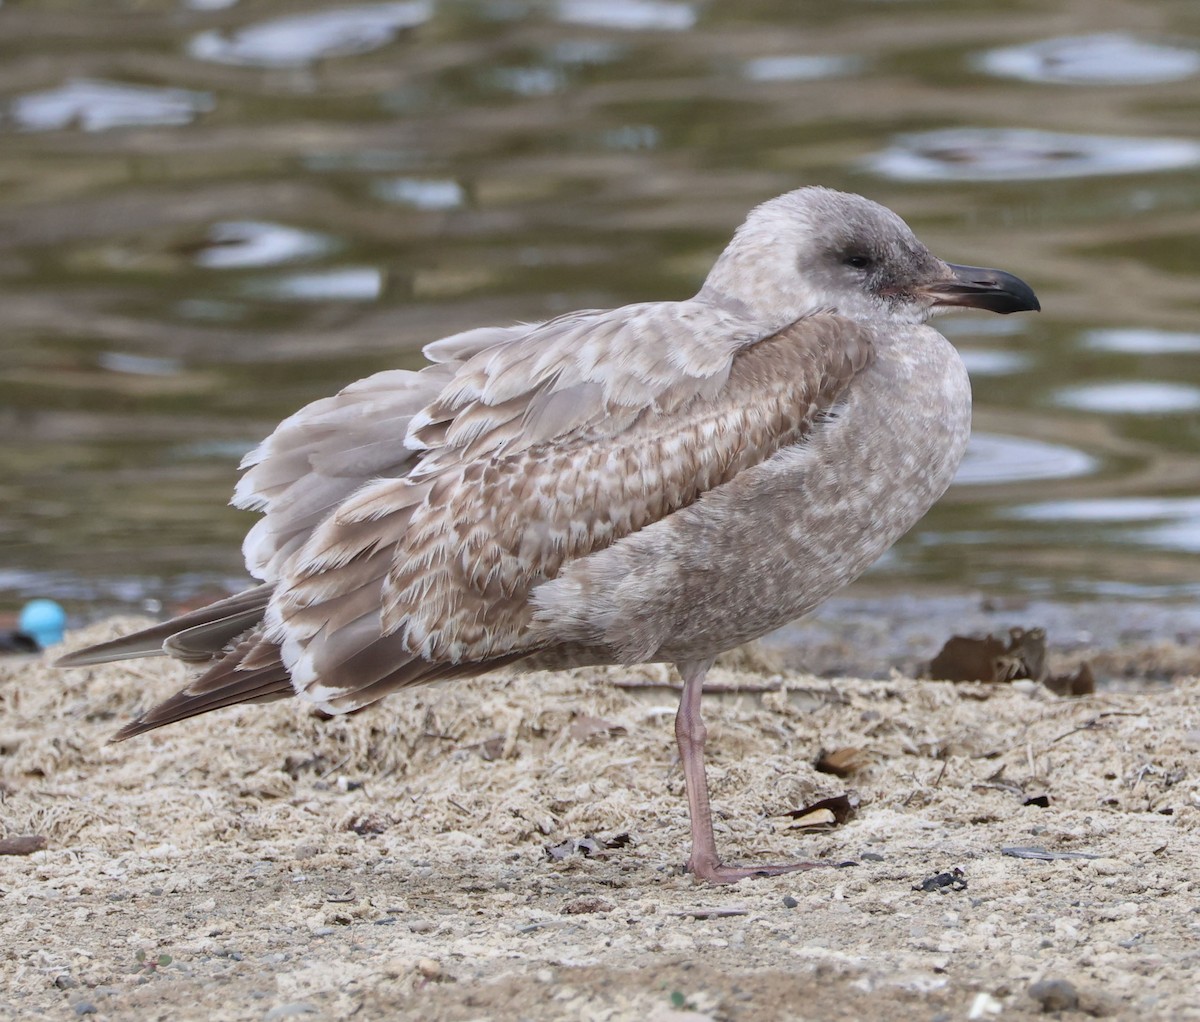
[510,848]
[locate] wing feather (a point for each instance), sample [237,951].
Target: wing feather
[604,439]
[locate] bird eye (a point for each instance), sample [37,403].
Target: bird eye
[859,262]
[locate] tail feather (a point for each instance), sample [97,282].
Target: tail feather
[203,641]
[207,631]
[251,687]
[225,683]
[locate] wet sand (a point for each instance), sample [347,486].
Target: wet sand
[262,863]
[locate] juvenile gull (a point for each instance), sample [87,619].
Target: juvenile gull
[655,483]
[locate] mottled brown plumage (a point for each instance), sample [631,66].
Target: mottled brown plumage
[658,482]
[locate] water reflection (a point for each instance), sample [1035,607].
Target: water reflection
[420,193]
[631,15]
[237,244]
[799,68]
[206,221]
[99,106]
[306,38]
[991,362]
[1171,523]
[1133,397]
[1142,341]
[1110,58]
[1109,509]
[138,365]
[1015,154]
[345,284]
[527,81]
[992,459]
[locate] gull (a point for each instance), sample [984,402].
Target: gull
[660,482]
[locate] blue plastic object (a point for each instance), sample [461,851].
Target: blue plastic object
[44,620]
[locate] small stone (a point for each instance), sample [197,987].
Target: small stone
[430,968]
[872,857]
[789,901]
[586,905]
[1055,995]
[84,1008]
[290,1010]
[65,982]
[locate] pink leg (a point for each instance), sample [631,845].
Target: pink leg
[691,734]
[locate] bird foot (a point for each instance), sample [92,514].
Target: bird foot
[714,872]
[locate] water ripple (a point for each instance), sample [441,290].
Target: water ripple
[1108,509]
[993,362]
[234,244]
[631,15]
[98,106]
[993,458]
[425,194]
[1130,397]
[1142,341]
[301,39]
[1109,58]
[1014,154]
[345,284]
[799,68]
[1171,523]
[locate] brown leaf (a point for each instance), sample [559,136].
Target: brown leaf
[841,762]
[965,658]
[1081,683]
[26,844]
[814,820]
[828,812]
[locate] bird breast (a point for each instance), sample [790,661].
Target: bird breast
[781,537]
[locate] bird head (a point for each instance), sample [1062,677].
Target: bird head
[818,250]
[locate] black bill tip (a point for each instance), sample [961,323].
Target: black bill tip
[978,287]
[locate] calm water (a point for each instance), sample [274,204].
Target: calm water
[214,211]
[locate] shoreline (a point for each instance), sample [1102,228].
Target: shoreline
[262,863]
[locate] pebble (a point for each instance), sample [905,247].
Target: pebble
[290,1010]
[430,968]
[84,1008]
[1055,995]
[789,901]
[983,1006]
